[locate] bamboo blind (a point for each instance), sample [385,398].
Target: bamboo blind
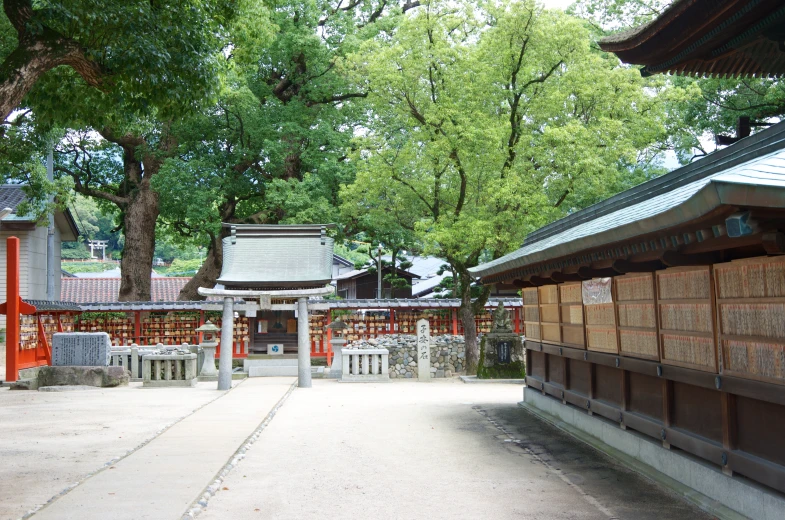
[685,298]
[531,314]
[601,327]
[751,318]
[549,313]
[573,333]
[637,314]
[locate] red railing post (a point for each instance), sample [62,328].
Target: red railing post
[138,327]
[454,322]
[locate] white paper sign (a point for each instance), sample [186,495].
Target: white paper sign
[423,350]
[596,291]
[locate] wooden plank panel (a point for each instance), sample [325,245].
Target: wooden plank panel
[538,364]
[761,429]
[608,384]
[751,318]
[636,311]
[580,376]
[685,303]
[698,410]
[645,395]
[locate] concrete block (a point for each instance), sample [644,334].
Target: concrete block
[625,442]
[272,371]
[170,383]
[25,384]
[773,506]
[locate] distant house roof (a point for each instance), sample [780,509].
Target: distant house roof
[11,195]
[110,273]
[356,273]
[337,259]
[716,38]
[256,256]
[750,173]
[94,290]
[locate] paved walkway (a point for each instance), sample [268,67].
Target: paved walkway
[441,450]
[163,478]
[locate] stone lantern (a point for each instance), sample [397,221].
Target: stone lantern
[337,342]
[209,344]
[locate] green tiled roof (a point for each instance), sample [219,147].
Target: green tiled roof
[276,256]
[748,173]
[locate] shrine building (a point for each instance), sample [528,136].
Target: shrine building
[660,310]
[273,270]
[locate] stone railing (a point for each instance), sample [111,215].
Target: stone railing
[130,357]
[365,365]
[169,369]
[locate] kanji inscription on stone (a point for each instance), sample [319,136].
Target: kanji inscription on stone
[85,349]
[503,349]
[423,350]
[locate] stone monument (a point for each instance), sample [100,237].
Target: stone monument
[209,344]
[82,349]
[501,350]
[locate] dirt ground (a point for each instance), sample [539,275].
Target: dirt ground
[51,440]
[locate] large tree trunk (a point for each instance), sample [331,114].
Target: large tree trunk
[207,274]
[141,215]
[470,337]
[38,51]
[467,311]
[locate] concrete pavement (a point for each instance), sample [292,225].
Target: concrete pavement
[161,480]
[427,451]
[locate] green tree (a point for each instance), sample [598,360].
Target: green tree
[487,124]
[160,53]
[274,149]
[117,140]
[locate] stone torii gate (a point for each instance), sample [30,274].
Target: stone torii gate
[265,262]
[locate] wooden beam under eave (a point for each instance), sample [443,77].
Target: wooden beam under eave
[587,272]
[674,259]
[537,281]
[565,277]
[521,284]
[774,242]
[626,266]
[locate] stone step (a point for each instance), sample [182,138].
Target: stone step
[272,356]
[272,371]
[250,363]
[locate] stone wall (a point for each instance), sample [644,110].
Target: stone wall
[448,354]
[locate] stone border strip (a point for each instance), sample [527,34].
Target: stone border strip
[209,491]
[117,459]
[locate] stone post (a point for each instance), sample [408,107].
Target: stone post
[303,345]
[423,350]
[227,337]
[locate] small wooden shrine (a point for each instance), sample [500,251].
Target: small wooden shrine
[262,263]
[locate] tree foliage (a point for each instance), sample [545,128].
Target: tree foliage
[163,53]
[489,123]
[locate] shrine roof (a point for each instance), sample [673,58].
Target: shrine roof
[257,256]
[707,38]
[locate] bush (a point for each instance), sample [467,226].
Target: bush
[74,254]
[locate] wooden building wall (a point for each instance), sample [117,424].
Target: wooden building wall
[692,356]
